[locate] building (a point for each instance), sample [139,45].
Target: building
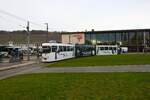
[73,37]
[137,40]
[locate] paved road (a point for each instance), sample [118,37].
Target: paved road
[125,68]
[38,69]
[19,70]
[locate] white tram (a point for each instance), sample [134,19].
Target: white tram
[106,49]
[57,51]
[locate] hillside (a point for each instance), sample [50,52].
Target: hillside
[21,36]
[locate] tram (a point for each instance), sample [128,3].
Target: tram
[84,50]
[107,49]
[57,51]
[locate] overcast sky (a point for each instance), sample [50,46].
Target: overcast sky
[76,15]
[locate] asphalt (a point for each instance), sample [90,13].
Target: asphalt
[6,66]
[37,68]
[17,71]
[123,68]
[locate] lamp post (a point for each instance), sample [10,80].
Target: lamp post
[91,35]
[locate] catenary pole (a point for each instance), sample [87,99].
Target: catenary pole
[47,32]
[144,42]
[28,40]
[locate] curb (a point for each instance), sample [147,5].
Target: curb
[15,66]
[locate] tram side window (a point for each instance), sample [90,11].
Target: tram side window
[110,48]
[46,49]
[114,48]
[101,48]
[106,48]
[68,48]
[71,48]
[64,48]
[88,48]
[54,48]
[60,48]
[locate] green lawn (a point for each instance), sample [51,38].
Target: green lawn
[87,86]
[127,59]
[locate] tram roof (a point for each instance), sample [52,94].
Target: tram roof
[107,45]
[56,44]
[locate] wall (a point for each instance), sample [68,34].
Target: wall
[75,38]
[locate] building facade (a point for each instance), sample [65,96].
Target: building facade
[73,37]
[137,40]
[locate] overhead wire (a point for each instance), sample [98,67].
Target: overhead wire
[8,21]
[12,15]
[19,18]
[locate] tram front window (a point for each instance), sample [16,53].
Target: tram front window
[46,49]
